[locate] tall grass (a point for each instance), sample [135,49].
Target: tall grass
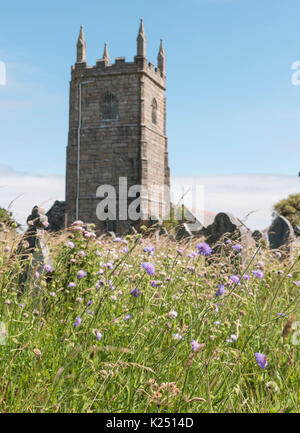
[134,353]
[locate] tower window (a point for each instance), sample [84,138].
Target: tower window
[154,111]
[109,107]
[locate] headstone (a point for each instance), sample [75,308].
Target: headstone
[281,236]
[257,236]
[227,227]
[183,232]
[34,252]
[56,216]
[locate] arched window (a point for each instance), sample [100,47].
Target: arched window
[109,107]
[154,111]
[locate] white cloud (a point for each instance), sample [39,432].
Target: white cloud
[239,194]
[22,191]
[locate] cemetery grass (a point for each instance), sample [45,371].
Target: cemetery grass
[120,340]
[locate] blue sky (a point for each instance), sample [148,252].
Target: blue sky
[231,106]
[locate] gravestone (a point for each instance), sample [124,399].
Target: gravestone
[228,228]
[35,255]
[56,216]
[183,232]
[281,236]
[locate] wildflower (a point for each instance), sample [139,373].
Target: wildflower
[47,268]
[37,353]
[149,249]
[37,275]
[127,317]
[281,314]
[7,302]
[203,249]
[196,346]
[81,253]
[89,235]
[98,335]
[261,360]
[135,293]
[221,290]
[52,294]
[77,223]
[173,314]
[278,254]
[237,247]
[81,274]
[233,337]
[234,278]
[258,274]
[7,249]
[149,268]
[191,268]
[180,251]
[71,284]
[79,299]
[77,321]
[70,245]
[89,303]
[260,265]
[118,240]
[246,277]
[113,297]
[155,283]
[98,253]
[272,386]
[90,312]
[297,283]
[177,336]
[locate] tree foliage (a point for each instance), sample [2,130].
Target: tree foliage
[290,209]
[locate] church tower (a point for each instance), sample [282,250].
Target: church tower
[117,139]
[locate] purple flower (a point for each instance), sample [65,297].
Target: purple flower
[237,247]
[149,249]
[81,274]
[118,240]
[135,292]
[196,346]
[89,303]
[77,321]
[155,283]
[81,253]
[261,360]
[180,251]
[246,277]
[127,317]
[71,285]
[149,268]
[70,245]
[37,275]
[234,278]
[297,283]
[221,290]
[203,249]
[47,268]
[258,274]
[98,335]
[192,255]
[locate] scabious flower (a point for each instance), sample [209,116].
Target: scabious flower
[180,251]
[237,247]
[71,284]
[89,303]
[118,240]
[149,249]
[203,249]
[173,314]
[297,283]
[81,253]
[37,275]
[127,317]
[234,278]
[258,274]
[246,277]
[81,274]
[177,336]
[192,255]
[70,245]
[135,293]
[155,283]
[77,223]
[98,335]
[7,249]
[77,321]
[221,290]
[196,346]
[261,360]
[47,268]
[149,268]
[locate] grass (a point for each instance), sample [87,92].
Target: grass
[129,354]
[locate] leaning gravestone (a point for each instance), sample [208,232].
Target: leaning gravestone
[228,228]
[34,252]
[281,236]
[56,216]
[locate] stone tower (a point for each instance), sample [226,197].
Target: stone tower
[117,137]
